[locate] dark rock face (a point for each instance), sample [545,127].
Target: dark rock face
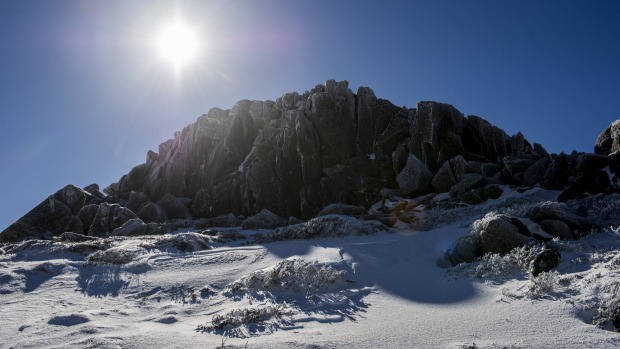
[346,210]
[304,151]
[52,217]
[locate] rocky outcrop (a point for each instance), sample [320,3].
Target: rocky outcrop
[52,217]
[304,151]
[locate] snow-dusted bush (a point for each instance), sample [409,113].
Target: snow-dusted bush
[294,275]
[517,261]
[608,311]
[603,209]
[324,226]
[240,317]
[184,242]
[114,255]
[543,284]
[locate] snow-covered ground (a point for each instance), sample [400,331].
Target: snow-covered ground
[386,290]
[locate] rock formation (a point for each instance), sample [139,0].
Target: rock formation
[302,152]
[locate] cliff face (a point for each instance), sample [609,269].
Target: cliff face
[304,151]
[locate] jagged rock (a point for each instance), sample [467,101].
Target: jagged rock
[436,133]
[173,207]
[608,141]
[92,187]
[136,200]
[448,174]
[342,209]
[480,195]
[71,196]
[556,228]
[108,218]
[265,219]
[415,178]
[499,235]
[545,261]
[483,141]
[465,250]
[152,213]
[134,180]
[466,183]
[87,215]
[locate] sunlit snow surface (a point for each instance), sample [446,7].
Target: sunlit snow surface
[387,291]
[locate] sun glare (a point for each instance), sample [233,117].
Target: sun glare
[178,44]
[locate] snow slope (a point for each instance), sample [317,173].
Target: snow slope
[379,291]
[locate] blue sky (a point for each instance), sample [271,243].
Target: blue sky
[84,95]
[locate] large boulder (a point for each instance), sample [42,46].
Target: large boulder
[466,249]
[448,174]
[108,218]
[608,141]
[557,228]
[174,207]
[152,213]
[500,235]
[415,178]
[555,211]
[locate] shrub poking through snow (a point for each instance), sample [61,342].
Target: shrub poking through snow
[243,317]
[608,312]
[184,242]
[293,275]
[543,284]
[114,255]
[517,261]
[324,226]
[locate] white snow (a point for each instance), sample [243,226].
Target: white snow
[165,292]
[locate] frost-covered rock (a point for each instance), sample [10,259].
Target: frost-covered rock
[265,219]
[608,141]
[499,235]
[135,227]
[449,173]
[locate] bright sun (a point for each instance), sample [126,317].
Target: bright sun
[178,44]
